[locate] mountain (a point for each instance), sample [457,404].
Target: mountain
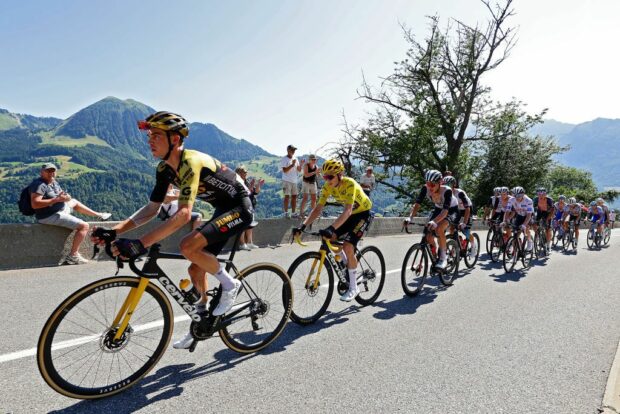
[594,146]
[210,139]
[9,120]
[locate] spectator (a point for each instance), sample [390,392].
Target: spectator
[367,181]
[612,218]
[309,185]
[290,168]
[171,204]
[246,240]
[53,206]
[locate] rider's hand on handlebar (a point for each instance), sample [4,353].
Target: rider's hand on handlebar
[99,235]
[328,232]
[407,220]
[298,230]
[128,248]
[462,226]
[523,227]
[432,225]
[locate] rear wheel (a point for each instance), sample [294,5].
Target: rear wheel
[511,252]
[590,239]
[496,246]
[540,243]
[312,296]
[77,354]
[489,241]
[472,251]
[453,257]
[414,271]
[528,255]
[268,293]
[370,275]
[607,234]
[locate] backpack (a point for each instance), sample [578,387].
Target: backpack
[24,204]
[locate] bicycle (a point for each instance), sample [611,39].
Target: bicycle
[540,240]
[568,239]
[557,232]
[606,236]
[466,247]
[497,244]
[109,334]
[594,238]
[420,254]
[515,250]
[317,274]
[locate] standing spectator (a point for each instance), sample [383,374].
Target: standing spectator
[171,204]
[53,206]
[246,240]
[367,181]
[309,185]
[612,218]
[290,168]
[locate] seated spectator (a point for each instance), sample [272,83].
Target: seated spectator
[246,241]
[171,204]
[53,206]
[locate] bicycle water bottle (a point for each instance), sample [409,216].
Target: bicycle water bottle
[341,259]
[463,243]
[189,291]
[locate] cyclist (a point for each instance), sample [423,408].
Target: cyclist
[600,202]
[352,222]
[521,207]
[446,206]
[197,175]
[466,209]
[543,206]
[572,212]
[491,207]
[558,211]
[596,214]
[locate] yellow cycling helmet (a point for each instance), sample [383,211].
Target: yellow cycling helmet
[332,167]
[167,121]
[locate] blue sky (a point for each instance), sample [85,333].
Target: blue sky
[279,72]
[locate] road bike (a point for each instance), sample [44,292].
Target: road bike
[557,232]
[540,240]
[109,334]
[569,239]
[312,277]
[416,264]
[496,244]
[594,239]
[515,250]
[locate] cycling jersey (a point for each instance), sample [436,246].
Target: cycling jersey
[444,200]
[573,209]
[596,214]
[559,209]
[504,205]
[347,192]
[522,207]
[462,199]
[200,176]
[546,204]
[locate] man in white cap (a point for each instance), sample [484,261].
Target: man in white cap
[53,206]
[367,181]
[290,167]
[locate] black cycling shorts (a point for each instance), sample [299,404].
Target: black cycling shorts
[225,224]
[519,220]
[452,217]
[541,215]
[461,215]
[498,216]
[576,219]
[355,227]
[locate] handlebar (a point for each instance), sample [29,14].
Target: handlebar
[330,246]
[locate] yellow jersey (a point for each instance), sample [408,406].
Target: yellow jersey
[347,192]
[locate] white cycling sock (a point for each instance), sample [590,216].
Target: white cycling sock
[226,280]
[352,279]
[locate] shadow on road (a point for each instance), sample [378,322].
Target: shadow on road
[409,305]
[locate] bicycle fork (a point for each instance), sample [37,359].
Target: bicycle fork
[129,306]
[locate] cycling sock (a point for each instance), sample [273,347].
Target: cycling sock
[352,279]
[442,254]
[226,280]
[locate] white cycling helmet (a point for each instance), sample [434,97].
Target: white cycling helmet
[517,191]
[433,176]
[572,200]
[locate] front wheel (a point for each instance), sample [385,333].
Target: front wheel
[313,291]
[472,251]
[590,238]
[540,244]
[453,257]
[77,354]
[370,275]
[490,241]
[414,271]
[268,293]
[511,253]
[497,246]
[607,233]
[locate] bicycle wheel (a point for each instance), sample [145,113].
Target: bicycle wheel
[370,275]
[511,252]
[489,241]
[528,255]
[310,302]
[540,243]
[453,257]
[607,236]
[76,353]
[567,240]
[555,237]
[497,246]
[267,288]
[414,271]
[590,239]
[472,251]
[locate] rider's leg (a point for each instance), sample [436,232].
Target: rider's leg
[199,280]
[349,251]
[441,237]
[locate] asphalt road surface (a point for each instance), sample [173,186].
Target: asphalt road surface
[539,341]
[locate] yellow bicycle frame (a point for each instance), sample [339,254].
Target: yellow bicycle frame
[321,260]
[129,306]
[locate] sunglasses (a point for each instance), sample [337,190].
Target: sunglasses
[328,177]
[143,125]
[51,170]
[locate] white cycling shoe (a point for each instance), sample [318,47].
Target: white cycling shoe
[227,300]
[185,342]
[441,264]
[349,295]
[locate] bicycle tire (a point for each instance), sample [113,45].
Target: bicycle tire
[554,237]
[607,237]
[489,241]
[540,243]
[50,351]
[511,251]
[590,239]
[453,258]
[527,255]
[367,268]
[309,306]
[470,262]
[497,246]
[416,272]
[271,294]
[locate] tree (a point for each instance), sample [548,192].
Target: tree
[573,182]
[426,106]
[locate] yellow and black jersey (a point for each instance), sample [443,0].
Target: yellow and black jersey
[347,192]
[200,176]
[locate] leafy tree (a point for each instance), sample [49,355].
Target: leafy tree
[573,182]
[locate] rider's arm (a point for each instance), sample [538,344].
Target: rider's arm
[316,212]
[467,214]
[140,217]
[528,217]
[168,227]
[348,208]
[417,203]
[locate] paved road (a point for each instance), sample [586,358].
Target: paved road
[540,341]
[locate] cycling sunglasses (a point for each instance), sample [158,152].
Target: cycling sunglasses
[328,177]
[143,125]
